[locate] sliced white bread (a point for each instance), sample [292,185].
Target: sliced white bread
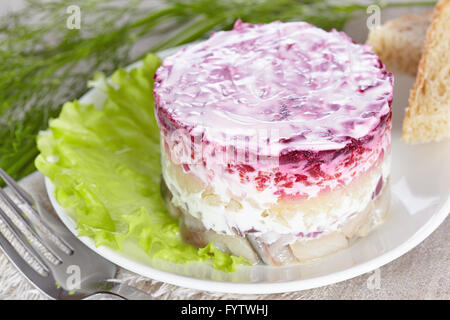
[428,116]
[399,42]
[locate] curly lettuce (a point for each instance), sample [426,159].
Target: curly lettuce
[104,162]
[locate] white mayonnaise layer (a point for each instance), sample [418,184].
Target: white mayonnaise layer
[250,217]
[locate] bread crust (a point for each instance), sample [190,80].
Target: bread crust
[399,42]
[410,132]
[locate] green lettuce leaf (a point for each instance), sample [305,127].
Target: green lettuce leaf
[105,165]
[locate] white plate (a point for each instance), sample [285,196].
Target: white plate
[420,186]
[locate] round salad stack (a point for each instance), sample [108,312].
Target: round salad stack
[275,140]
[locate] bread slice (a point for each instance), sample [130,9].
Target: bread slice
[399,42]
[428,116]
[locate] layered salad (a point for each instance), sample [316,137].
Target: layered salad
[275,141]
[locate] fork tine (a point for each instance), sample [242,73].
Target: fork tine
[18,213]
[16,232]
[15,187]
[46,284]
[17,259]
[28,208]
[8,201]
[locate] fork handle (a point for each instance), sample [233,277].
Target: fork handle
[124,291]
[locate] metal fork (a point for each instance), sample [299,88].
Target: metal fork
[52,258]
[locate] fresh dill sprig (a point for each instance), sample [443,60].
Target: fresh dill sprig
[43,63]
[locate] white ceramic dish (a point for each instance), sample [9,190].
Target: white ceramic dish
[420,202]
